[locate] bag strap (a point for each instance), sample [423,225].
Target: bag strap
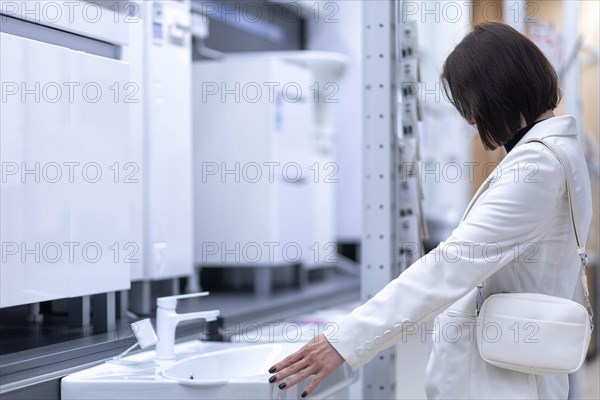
[573,213]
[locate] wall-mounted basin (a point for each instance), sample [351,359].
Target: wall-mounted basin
[199,371]
[221,367]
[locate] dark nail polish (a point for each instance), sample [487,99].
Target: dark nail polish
[272,379]
[303,395]
[282,385]
[272,370]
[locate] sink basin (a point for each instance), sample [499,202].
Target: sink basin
[201,370]
[221,367]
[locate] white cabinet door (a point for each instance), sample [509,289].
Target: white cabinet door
[34,207]
[236,180]
[169,249]
[100,217]
[292,138]
[262,218]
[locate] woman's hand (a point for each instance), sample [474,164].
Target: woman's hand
[317,357]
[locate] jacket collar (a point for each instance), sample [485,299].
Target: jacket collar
[563,125]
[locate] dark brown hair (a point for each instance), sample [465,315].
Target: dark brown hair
[494,77]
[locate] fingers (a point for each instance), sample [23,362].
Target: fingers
[313,384]
[300,376]
[286,362]
[291,370]
[317,357]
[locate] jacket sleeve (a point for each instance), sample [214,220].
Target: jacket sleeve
[507,217]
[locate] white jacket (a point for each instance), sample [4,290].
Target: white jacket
[519,238]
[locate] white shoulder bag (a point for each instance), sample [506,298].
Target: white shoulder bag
[537,333]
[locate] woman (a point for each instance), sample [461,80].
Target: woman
[518,236]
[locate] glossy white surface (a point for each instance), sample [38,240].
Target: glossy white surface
[67,215]
[219,371]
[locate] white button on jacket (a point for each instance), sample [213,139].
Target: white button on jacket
[518,237]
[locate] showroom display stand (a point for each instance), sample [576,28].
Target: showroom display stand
[392,201]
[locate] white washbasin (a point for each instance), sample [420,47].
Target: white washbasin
[200,371]
[225,366]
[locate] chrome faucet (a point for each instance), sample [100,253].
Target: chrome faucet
[167,320]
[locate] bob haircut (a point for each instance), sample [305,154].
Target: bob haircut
[496,78]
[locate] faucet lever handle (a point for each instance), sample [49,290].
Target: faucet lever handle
[170,302]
